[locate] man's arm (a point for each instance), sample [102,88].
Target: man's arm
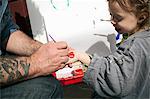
[47,59]
[21,44]
[14,69]
[17,68]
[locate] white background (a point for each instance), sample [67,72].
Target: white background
[74,21]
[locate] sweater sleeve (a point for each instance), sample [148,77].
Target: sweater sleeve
[114,75]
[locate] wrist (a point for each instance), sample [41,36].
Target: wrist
[89,59]
[85,65]
[35,45]
[33,70]
[90,56]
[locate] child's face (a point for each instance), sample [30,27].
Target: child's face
[123,21]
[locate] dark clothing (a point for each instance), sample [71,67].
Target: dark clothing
[37,88]
[126,73]
[7,25]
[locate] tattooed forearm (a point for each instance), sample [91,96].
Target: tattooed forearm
[13,69]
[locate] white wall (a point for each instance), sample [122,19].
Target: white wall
[74,21]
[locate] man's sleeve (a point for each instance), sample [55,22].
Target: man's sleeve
[8,27]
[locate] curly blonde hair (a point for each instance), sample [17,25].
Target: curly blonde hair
[138,7]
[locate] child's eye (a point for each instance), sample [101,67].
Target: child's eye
[119,18]
[116,18]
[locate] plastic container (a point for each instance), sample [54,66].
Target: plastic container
[76,78]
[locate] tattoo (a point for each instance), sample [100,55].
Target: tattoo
[12,69]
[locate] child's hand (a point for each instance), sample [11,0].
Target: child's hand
[75,56]
[83,57]
[72,58]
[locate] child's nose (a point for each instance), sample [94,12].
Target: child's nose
[113,22]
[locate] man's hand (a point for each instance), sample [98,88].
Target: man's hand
[49,58]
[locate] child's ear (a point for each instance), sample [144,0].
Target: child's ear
[142,17]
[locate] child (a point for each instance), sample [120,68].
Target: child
[125,74]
